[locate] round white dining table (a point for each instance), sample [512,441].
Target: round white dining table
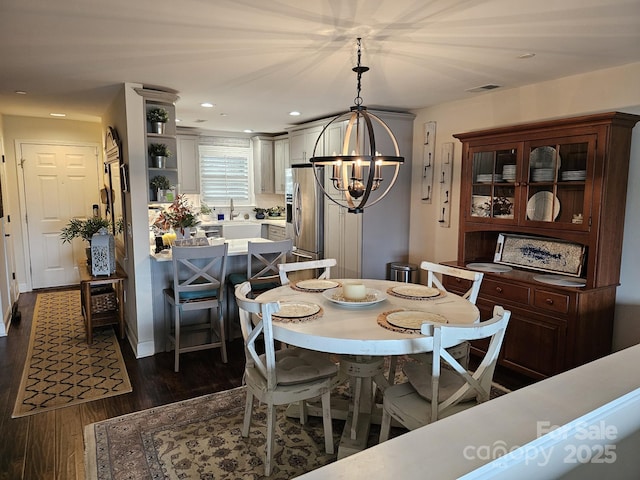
[352,330]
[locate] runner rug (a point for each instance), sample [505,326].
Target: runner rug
[61,369]
[201,438]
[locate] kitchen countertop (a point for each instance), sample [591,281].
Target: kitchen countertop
[279,221]
[237,246]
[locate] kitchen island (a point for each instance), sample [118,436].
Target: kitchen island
[162,277]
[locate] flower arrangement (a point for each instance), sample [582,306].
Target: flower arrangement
[78,228]
[179,215]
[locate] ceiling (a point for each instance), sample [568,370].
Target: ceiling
[257,60]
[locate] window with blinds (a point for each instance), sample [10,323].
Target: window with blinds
[226,168]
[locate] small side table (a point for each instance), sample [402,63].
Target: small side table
[101,307]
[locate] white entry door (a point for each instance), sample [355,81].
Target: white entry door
[60,182]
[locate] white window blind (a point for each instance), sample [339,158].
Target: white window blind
[226,170]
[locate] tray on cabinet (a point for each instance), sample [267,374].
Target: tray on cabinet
[539,253]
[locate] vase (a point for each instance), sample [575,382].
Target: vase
[183,233]
[158,162]
[158,127]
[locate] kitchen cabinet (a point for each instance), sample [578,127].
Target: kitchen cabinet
[343,241]
[280,162]
[302,142]
[276,232]
[154,100]
[562,182]
[188,163]
[263,164]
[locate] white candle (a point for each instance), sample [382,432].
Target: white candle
[354,291]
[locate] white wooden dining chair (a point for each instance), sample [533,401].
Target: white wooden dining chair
[198,284]
[460,352]
[432,280]
[280,377]
[436,392]
[313,266]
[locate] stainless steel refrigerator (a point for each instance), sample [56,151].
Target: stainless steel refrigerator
[305,212]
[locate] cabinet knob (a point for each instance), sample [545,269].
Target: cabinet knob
[549,301]
[499,289]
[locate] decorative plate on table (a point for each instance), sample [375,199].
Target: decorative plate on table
[489,267]
[543,206]
[413,319]
[297,311]
[416,292]
[314,285]
[408,321]
[561,280]
[372,297]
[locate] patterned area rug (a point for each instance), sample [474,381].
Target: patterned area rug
[201,438]
[61,369]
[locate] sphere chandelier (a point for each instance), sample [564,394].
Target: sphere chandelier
[357,170]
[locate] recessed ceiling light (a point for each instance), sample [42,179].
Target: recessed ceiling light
[178,120]
[294,114]
[247,130]
[223,114]
[207,105]
[526,55]
[20,92]
[58,114]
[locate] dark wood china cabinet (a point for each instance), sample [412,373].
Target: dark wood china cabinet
[560,184]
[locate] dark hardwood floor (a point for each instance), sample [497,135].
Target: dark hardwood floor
[50,445]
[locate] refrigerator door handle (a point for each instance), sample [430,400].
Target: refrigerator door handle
[302,255]
[297,209]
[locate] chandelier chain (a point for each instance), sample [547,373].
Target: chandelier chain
[359,69]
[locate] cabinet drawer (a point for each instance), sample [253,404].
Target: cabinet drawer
[555,302]
[456,284]
[276,233]
[514,293]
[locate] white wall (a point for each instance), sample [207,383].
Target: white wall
[41,129]
[613,89]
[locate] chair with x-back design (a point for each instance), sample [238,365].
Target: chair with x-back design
[198,284]
[262,270]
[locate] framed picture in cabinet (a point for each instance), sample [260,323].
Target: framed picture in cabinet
[539,253]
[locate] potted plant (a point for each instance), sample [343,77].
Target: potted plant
[205,211]
[260,212]
[158,117]
[160,183]
[85,229]
[179,216]
[275,211]
[159,152]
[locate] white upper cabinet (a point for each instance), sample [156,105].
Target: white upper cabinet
[188,164]
[280,162]
[263,165]
[302,143]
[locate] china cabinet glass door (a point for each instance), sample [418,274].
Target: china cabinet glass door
[493,187]
[558,185]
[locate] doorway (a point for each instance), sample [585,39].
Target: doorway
[60,181]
